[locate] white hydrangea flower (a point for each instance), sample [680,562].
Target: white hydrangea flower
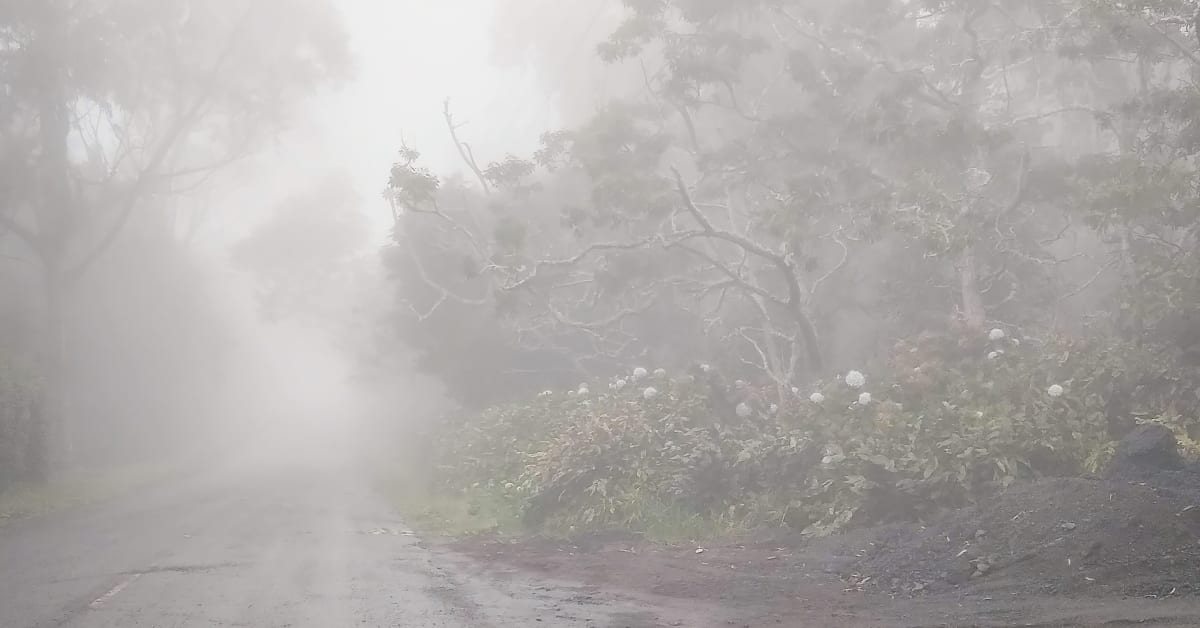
[583,389]
[795,391]
[976,178]
[816,398]
[649,393]
[832,455]
[864,399]
[774,408]
[996,334]
[855,379]
[639,373]
[993,355]
[660,373]
[1055,390]
[619,384]
[743,410]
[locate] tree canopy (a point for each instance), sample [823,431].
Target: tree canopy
[828,263]
[111,106]
[797,184]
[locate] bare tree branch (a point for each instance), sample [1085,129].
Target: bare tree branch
[464,151]
[444,293]
[149,172]
[840,265]
[140,185]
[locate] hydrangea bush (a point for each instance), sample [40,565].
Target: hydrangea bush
[937,425]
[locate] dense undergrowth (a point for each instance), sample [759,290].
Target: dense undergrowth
[944,422]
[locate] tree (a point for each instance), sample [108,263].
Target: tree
[798,175]
[111,106]
[1002,191]
[1137,190]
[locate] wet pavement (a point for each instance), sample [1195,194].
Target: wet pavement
[269,549]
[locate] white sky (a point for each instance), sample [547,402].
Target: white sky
[409,55]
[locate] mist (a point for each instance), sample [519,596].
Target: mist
[175,349]
[607,313]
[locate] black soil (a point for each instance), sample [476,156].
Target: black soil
[1123,549]
[1072,536]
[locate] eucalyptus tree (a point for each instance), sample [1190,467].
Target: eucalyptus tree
[110,106]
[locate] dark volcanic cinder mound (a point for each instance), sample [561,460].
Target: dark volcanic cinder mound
[1135,532]
[1054,536]
[1147,449]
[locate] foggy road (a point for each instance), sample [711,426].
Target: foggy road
[283,549]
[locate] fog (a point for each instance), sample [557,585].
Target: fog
[247,245]
[313,312]
[168,348]
[295,386]
[293,389]
[264,296]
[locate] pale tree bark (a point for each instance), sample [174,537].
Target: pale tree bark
[54,216]
[54,220]
[974,313]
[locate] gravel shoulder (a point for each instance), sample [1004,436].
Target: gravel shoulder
[1059,552]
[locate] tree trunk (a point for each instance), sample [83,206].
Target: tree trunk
[812,346]
[53,442]
[974,315]
[54,216]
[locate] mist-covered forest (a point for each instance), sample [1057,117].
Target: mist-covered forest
[800,263]
[753,312]
[814,264]
[167,293]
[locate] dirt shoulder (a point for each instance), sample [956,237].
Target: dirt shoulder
[1060,552]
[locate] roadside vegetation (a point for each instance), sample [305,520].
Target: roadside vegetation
[822,265]
[945,422]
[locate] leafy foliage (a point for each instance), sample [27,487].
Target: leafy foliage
[807,185]
[791,163]
[952,420]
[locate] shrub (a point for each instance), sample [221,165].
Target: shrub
[944,421]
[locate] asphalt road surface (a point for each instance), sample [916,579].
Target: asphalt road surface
[267,549]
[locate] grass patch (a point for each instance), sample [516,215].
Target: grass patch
[461,515]
[441,511]
[671,524]
[475,512]
[479,511]
[448,513]
[26,499]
